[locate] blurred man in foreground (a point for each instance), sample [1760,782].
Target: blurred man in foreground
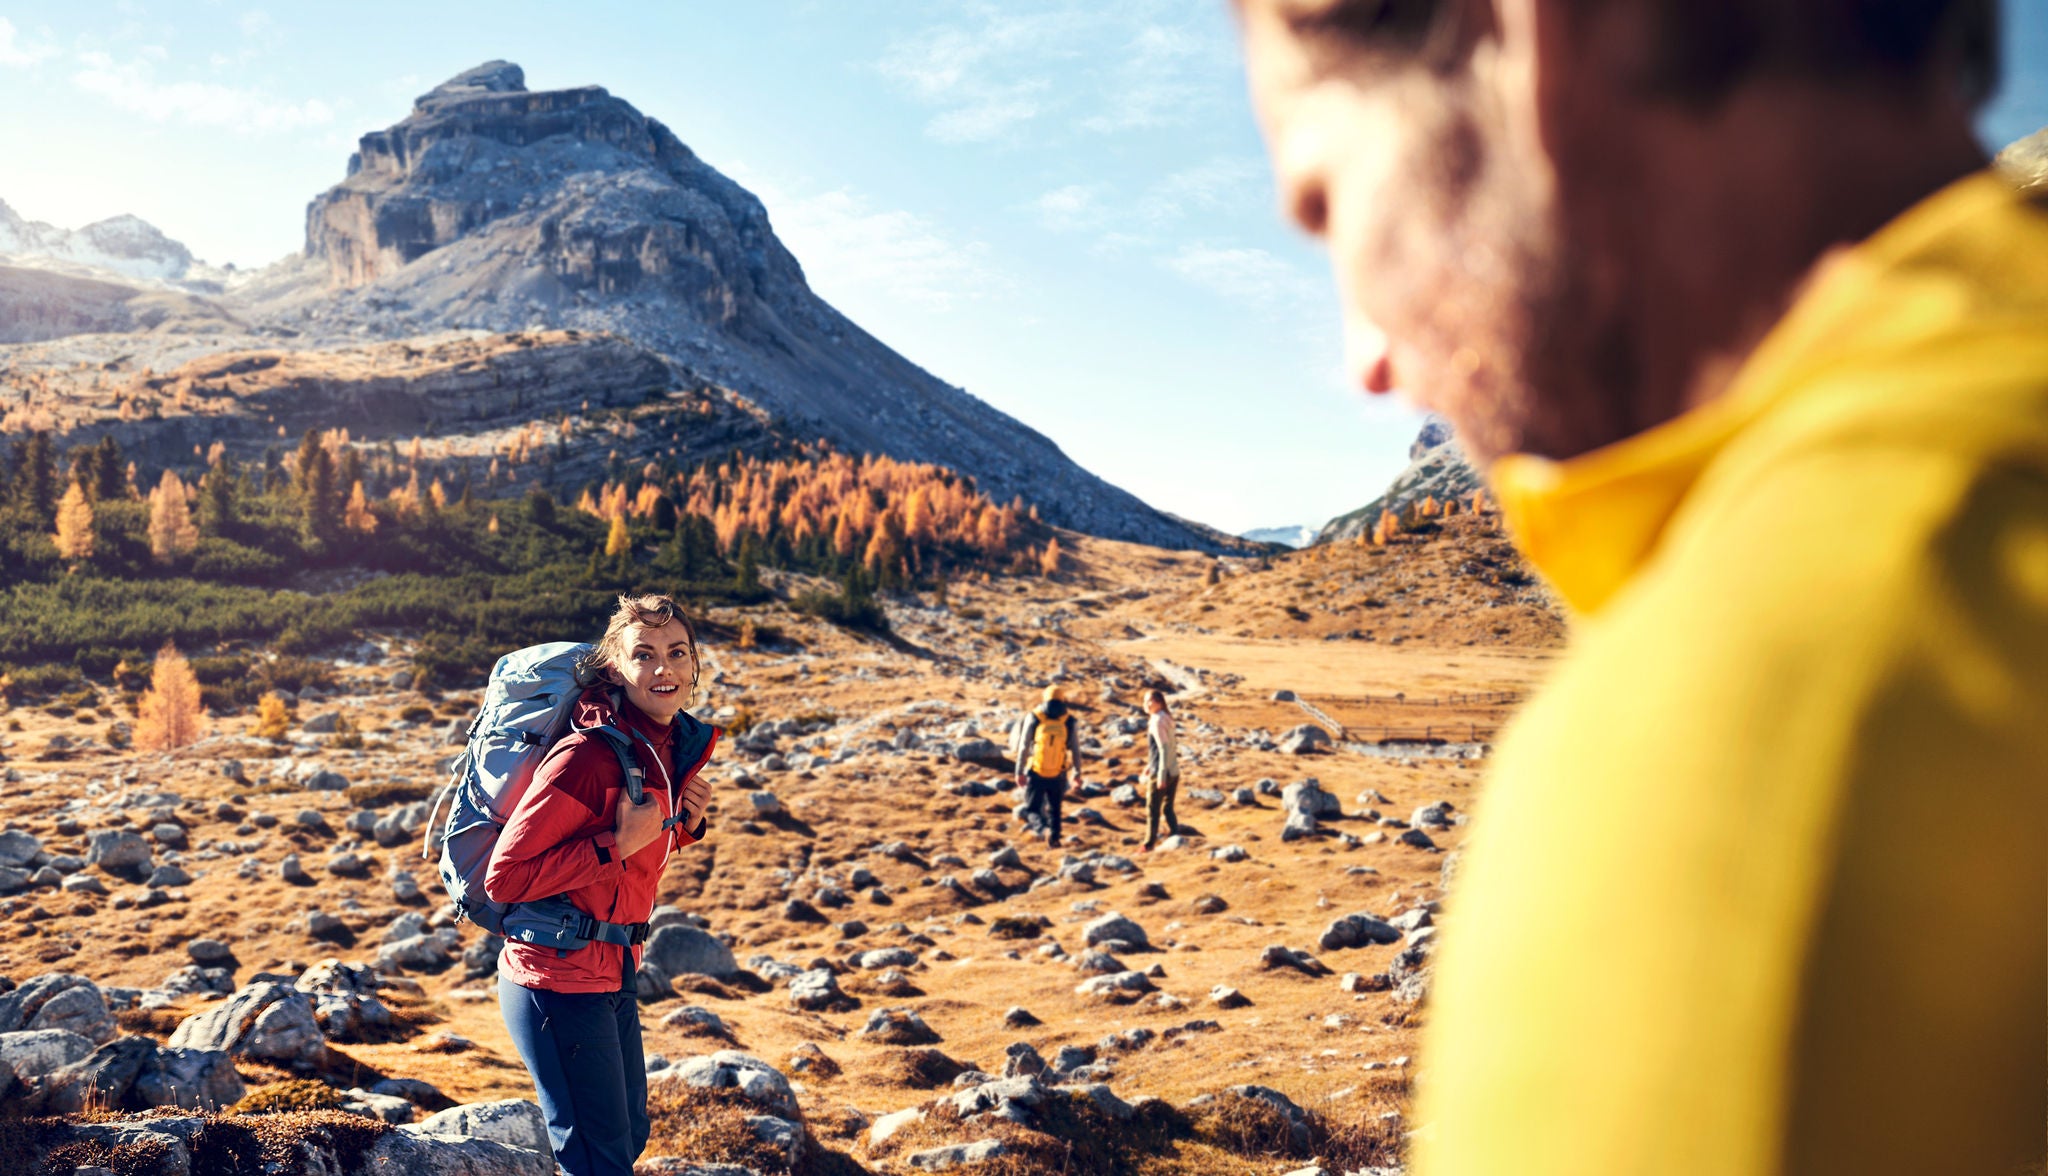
[1756,355]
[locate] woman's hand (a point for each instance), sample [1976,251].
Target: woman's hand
[696,798]
[635,825]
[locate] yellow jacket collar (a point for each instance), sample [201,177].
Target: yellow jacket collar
[1590,522]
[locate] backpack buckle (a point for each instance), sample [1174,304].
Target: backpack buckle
[640,933]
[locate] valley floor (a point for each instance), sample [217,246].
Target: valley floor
[866,775]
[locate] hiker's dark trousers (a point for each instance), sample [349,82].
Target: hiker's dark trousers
[1042,795]
[583,1050]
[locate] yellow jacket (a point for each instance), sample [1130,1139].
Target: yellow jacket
[1760,884]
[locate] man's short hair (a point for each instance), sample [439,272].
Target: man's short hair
[1704,50]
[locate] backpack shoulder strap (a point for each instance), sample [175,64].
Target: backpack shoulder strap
[622,746]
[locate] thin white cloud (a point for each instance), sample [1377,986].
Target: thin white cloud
[133,86]
[854,251]
[16,53]
[1070,208]
[989,74]
[1251,277]
[1158,82]
[1225,184]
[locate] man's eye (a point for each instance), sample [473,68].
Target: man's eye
[1384,23]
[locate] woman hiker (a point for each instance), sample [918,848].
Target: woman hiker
[1162,768]
[574,1015]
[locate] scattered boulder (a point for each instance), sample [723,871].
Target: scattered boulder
[1225,997]
[18,849]
[133,1074]
[898,1026]
[680,949]
[753,1079]
[1230,853]
[1417,838]
[887,957]
[117,851]
[1114,927]
[955,1155]
[1306,739]
[209,951]
[514,1122]
[1278,956]
[267,1021]
[345,1002]
[697,1021]
[1019,1017]
[1358,931]
[1117,987]
[59,1000]
[818,990]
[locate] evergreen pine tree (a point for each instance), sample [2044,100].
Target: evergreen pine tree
[109,471]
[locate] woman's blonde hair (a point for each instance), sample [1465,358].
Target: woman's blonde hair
[651,609]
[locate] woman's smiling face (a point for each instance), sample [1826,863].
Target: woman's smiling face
[657,668]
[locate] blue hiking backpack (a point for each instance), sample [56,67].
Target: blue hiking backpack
[528,706]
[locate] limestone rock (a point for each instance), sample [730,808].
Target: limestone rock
[514,1122]
[266,1021]
[680,949]
[753,1079]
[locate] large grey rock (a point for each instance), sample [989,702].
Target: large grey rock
[679,949]
[133,1074]
[898,1026]
[514,1122]
[345,1003]
[818,991]
[413,1152]
[728,1069]
[1300,825]
[117,851]
[1114,927]
[1309,796]
[430,952]
[18,848]
[1117,986]
[1305,740]
[957,1155]
[267,1021]
[885,957]
[1358,931]
[33,1054]
[58,1000]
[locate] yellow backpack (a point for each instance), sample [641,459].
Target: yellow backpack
[1049,746]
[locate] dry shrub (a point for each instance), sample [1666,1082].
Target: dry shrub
[1245,1127]
[1073,1136]
[919,1069]
[706,1127]
[388,792]
[1014,927]
[151,1022]
[276,1144]
[1368,1140]
[293,1094]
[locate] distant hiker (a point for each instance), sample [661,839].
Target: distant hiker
[1048,749]
[1162,768]
[1753,347]
[574,1013]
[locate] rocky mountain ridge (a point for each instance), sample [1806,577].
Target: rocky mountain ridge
[1437,467]
[492,208]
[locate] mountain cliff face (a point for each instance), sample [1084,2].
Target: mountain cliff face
[493,213]
[498,208]
[1437,467]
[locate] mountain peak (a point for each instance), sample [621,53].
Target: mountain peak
[492,77]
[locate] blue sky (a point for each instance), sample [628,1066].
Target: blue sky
[1059,205]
